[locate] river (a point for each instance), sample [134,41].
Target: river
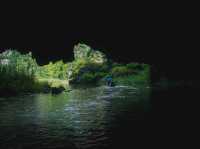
[94,117]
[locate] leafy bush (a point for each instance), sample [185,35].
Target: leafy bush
[83,71]
[141,78]
[17,72]
[134,66]
[131,74]
[88,78]
[56,70]
[12,63]
[121,71]
[115,64]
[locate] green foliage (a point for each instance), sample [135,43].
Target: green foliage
[88,78]
[142,77]
[56,70]
[115,64]
[133,79]
[134,66]
[84,71]
[121,71]
[20,72]
[17,72]
[13,64]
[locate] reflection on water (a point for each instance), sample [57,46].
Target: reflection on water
[82,118]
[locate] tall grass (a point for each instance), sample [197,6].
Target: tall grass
[17,73]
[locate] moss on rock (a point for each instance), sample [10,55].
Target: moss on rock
[86,65]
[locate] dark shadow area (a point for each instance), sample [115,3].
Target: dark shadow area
[165,39]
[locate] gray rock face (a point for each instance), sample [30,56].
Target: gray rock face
[81,51]
[70,72]
[6,57]
[98,57]
[4,61]
[85,52]
[87,60]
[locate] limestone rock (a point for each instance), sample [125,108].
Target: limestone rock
[87,63]
[85,52]
[81,51]
[98,57]
[7,57]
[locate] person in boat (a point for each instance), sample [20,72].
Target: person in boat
[109,81]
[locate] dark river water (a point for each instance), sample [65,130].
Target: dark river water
[96,117]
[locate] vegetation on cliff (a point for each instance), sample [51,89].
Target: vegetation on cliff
[21,73]
[57,70]
[91,66]
[17,73]
[131,74]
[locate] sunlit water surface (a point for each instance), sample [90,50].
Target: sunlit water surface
[83,118]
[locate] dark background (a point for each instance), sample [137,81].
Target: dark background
[165,37]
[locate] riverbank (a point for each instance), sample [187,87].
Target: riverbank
[20,73]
